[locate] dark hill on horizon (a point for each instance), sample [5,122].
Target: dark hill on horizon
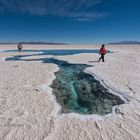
[125,43]
[34,43]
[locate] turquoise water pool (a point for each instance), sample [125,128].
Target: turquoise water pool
[77,91]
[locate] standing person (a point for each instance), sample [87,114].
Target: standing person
[102,52]
[19,47]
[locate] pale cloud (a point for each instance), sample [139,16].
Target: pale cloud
[76,9]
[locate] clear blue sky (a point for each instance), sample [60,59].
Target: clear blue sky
[70,21]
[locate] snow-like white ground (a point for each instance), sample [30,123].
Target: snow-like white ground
[28,110]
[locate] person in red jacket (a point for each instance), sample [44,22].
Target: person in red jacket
[102,52]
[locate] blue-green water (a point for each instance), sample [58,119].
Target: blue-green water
[59,52]
[77,91]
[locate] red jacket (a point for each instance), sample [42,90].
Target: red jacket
[102,51]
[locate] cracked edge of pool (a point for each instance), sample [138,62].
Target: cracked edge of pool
[57,112]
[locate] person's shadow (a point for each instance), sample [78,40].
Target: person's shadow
[93,61]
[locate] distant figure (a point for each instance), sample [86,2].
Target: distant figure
[19,47]
[102,52]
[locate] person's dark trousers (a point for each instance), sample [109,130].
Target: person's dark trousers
[102,57]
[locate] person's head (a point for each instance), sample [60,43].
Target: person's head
[103,45]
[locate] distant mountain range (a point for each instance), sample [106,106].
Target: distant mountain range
[125,43]
[35,43]
[55,43]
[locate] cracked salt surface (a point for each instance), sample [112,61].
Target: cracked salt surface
[38,110]
[77,91]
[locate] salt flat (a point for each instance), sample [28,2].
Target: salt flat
[28,109]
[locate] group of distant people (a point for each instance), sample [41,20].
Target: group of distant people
[102,51]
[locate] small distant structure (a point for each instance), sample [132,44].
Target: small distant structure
[20,47]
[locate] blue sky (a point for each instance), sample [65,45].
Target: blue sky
[69,21]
